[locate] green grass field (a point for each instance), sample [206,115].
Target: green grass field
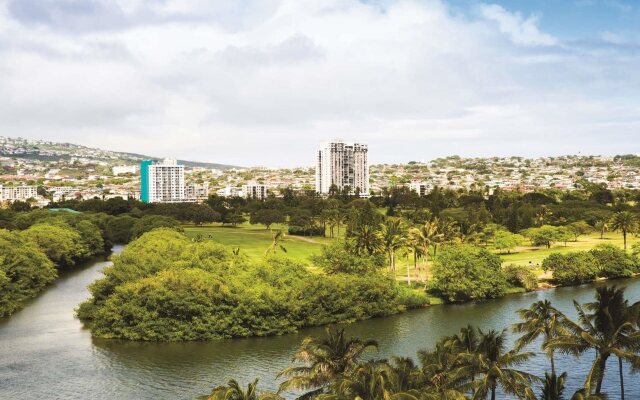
[523,255]
[254,240]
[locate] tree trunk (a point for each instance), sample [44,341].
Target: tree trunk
[621,378]
[553,364]
[493,393]
[624,239]
[408,275]
[602,366]
[426,270]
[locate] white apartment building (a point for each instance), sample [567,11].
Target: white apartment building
[22,193]
[227,191]
[162,182]
[124,169]
[422,188]
[254,190]
[197,192]
[343,165]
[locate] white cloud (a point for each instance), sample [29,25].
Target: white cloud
[521,30]
[263,82]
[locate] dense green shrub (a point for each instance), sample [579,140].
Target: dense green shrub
[336,258]
[151,222]
[164,287]
[61,243]
[521,276]
[306,231]
[572,268]
[466,272]
[24,271]
[119,228]
[613,262]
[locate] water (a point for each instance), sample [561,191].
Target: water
[46,354]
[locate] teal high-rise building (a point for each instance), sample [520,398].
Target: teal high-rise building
[144,180]
[161,182]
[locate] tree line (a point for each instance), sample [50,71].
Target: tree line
[36,245]
[590,208]
[471,364]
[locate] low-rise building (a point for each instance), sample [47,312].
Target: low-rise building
[227,191]
[22,193]
[124,169]
[197,192]
[254,190]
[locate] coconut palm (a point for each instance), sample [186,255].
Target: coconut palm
[277,236]
[625,222]
[414,243]
[374,380]
[553,386]
[392,238]
[606,326]
[540,320]
[365,239]
[445,372]
[602,225]
[233,391]
[449,231]
[425,237]
[325,360]
[495,368]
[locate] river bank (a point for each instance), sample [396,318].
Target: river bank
[46,353]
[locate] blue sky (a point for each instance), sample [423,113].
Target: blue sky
[573,19]
[262,82]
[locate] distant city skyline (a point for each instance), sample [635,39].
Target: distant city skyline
[263,82]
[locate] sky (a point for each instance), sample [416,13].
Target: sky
[263,82]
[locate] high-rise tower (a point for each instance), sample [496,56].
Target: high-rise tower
[343,165]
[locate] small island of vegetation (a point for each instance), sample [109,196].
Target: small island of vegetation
[165,287]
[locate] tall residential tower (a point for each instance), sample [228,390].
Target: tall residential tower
[343,165]
[161,182]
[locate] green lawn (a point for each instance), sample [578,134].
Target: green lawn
[254,240]
[523,255]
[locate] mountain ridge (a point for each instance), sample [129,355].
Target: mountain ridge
[50,150]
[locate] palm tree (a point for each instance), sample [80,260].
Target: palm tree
[543,215]
[495,367]
[406,373]
[449,232]
[326,359]
[444,372]
[602,225]
[553,386]
[425,237]
[606,326]
[414,243]
[466,343]
[233,391]
[540,320]
[374,380]
[625,222]
[366,239]
[392,238]
[277,236]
